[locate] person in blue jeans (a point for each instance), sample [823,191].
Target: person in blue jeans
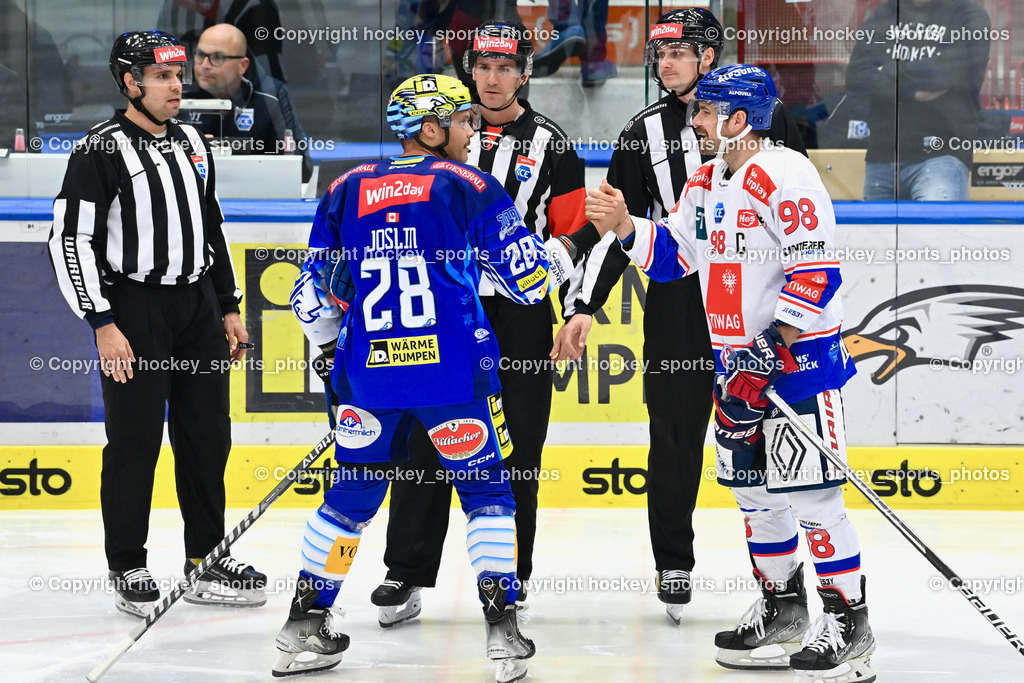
[922,87]
[582,32]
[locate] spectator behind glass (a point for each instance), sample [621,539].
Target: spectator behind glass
[262,111]
[582,32]
[923,89]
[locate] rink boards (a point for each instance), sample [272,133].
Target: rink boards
[934,320]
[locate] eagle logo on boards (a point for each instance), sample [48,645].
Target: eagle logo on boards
[356,428]
[934,325]
[459,439]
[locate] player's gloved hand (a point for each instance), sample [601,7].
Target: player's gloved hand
[342,287]
[322,366]
[752,369]
[738,424]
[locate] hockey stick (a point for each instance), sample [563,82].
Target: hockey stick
[161,608]
[901,526]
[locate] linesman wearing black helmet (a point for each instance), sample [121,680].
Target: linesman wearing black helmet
[657,151]
[538,166]
[139,252]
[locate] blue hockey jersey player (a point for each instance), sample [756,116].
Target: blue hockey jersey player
[397,251]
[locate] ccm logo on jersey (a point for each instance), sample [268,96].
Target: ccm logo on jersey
[399,188]
[758,184]
[171,53]
[747,218]
[403,351]
[459,439]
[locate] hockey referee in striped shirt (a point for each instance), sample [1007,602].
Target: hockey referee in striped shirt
[139,252]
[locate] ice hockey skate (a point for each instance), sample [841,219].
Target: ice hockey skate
[674,591]
[398,602]
[838,646]
[770,631]
[310,640]
[228,583]
[135,591]
[505,644]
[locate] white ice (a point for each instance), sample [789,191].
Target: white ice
[58,634]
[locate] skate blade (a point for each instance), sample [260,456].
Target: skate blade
[675,613]
[135,609]
[856,670]
[393,615]
[292,663]
[509,670]
[765,658]
[215,593]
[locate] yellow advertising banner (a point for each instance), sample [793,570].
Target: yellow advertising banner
[907,478]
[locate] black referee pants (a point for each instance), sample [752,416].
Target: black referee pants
[679,404]
[418,521]
[177,335]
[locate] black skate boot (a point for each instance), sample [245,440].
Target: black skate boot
[135,591]
[838,646]
[227,582]
[769,632]
[674,591]
[309,630]
[398,602]
[505,644]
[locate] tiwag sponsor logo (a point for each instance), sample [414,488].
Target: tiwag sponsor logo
[34,480]
[724,303]
[171,53]
[459,439]
[376,194]
[666,31]
[495,44]
[809,286]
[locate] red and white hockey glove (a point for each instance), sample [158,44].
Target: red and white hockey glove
[751,369]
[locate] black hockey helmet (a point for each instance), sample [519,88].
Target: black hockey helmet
[135,50]
[694,26]
[500,40]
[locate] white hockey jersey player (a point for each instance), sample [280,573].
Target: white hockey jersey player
[763,241]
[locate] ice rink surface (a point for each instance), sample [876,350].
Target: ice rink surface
[590,617]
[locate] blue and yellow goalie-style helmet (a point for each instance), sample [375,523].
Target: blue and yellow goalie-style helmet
[425,95]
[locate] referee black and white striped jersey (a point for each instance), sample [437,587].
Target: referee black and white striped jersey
[536,163]
[655,154]
[141,207]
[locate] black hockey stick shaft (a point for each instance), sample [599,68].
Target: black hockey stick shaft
[901,526]
[161,608]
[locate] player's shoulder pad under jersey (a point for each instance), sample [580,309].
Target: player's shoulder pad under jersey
[475,177]
[368,167]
